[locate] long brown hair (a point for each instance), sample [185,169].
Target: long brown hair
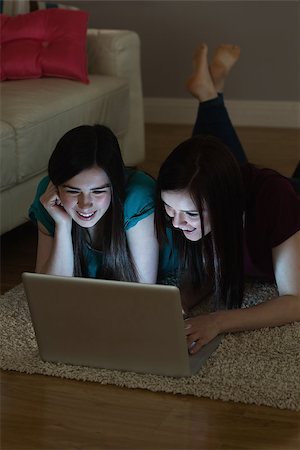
[204,167]
[79,149]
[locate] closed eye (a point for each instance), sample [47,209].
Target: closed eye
[192,214]
[170,211]
[96,191]
[72,191]
[99,191]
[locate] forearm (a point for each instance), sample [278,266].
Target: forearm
[144,249]
[276,312]
[60,260]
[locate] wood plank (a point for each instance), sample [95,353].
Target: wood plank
[40,412]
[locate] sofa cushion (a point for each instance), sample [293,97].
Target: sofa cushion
[48,42]
[8,157]
[49,107]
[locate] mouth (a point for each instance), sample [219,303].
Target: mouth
[188,231]
[86,216]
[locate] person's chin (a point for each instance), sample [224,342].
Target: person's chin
[192,235]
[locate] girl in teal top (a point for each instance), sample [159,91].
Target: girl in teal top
[95,218]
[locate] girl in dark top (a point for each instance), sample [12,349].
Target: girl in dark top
[229,219]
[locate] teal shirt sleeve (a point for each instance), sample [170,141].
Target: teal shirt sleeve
[139,198]
[37,213]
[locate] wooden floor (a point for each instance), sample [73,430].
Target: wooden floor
[41,412]
[278,149]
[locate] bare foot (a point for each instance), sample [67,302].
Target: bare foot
[225,56]
[200,84]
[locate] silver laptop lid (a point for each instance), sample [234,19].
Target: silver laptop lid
[108,324]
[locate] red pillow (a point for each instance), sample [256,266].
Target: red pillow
[48,42]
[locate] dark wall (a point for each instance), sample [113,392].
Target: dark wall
[268,32]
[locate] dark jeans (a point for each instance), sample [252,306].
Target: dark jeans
[212,118]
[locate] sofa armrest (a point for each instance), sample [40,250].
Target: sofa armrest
[117,53]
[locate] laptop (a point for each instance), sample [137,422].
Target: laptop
[112,325]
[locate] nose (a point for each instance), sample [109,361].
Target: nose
[178,220]
[84,200]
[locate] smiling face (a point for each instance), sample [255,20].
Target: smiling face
[184,214]
[87,196]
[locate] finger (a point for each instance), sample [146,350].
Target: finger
[187,328]
[196,346]
[49,199]
[192,338]
[191,346]
[51,190]
[190,327]
[58,201]
[51,186]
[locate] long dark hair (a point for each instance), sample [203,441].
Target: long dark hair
[204,167]
[79,149]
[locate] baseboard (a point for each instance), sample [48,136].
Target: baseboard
[242,112]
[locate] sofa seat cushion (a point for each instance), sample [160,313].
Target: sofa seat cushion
[8,157]
[48,107]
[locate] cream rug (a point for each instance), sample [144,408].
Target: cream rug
[261,367]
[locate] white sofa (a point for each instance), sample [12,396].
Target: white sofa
[35,113]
